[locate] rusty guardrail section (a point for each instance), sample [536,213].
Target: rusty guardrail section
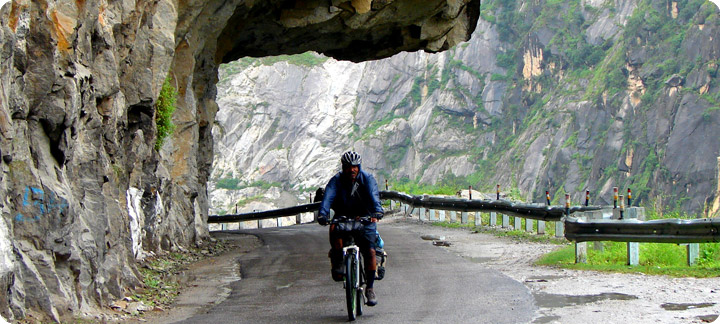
[658,231]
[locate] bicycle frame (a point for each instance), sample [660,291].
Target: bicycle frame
[354,269]
[354,278]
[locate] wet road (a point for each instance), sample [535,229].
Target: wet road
[287,280]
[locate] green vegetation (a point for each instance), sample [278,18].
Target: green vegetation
[235,184]
[164,108]
[307,59]
[245,201]
[413,188]
[655,259]
[160,274]
[372,128]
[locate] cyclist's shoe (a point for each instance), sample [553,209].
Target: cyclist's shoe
[338,273]
[370,295]
[338,268]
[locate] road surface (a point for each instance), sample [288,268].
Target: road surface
[287,280]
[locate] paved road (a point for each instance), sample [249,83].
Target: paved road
[287,280]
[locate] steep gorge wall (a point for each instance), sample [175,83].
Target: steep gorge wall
[86,193]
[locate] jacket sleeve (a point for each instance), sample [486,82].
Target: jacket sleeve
[330,192]
[374,195]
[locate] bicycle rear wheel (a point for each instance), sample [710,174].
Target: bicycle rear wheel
[351,286]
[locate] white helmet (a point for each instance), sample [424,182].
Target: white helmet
[350,158]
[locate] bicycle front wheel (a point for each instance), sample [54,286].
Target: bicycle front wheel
[351,285]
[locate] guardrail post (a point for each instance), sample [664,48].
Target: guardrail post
[633,253]
[693,250]
[464,217]
[441,214]
[581,252]
[517,223]
[505,221]
[422,213]
[493,219]
[223,226]
[478,218]
[541,227]
[392,204]
[453,216]
[581,247]
[279,221]
[432,215]
[633,248]
[559,229]
[529,224]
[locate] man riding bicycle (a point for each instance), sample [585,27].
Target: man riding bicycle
[353,193]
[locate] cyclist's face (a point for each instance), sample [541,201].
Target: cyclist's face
[351,171]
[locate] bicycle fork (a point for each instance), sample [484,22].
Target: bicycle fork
[353,251]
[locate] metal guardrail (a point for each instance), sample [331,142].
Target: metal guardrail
[524,210]
[275,213]
[532,211]
[658,231]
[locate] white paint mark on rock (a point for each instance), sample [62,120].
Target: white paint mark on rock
[136,220]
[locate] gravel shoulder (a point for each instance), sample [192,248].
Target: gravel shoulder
[577,296]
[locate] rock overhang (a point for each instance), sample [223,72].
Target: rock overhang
[357,30]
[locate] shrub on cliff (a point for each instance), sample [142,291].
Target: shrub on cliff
[164,108]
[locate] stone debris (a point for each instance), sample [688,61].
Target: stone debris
[433,237]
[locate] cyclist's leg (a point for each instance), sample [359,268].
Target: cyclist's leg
[336,253]
[367,247]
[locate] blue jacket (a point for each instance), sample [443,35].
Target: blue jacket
[366,200]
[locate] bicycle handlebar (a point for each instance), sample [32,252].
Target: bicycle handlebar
[362,219]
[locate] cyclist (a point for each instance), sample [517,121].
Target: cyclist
[353,193]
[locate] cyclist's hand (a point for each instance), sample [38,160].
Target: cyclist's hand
[373,220]
[323,221]
[377,216]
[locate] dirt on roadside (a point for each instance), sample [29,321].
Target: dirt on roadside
[203,283]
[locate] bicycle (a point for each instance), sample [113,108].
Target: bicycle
[354,266]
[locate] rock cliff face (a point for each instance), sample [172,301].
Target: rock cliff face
[561,97]
[86,192]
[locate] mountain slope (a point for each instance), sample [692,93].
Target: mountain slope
[564,96]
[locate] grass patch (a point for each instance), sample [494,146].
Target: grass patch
[655,259]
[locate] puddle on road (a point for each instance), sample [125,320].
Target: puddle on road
[684,306]
[544,278]
[553,300]
[708,318]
